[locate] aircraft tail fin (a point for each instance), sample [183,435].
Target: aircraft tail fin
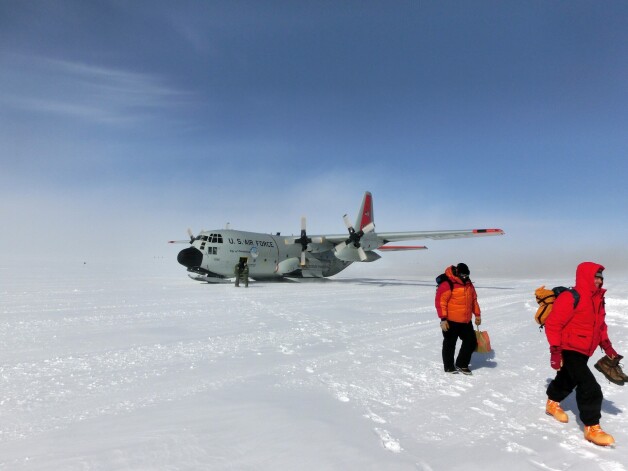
[365,215]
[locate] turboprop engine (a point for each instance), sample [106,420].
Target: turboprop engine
[292,267]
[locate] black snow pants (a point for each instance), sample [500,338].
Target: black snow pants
[465,332]
[575,374]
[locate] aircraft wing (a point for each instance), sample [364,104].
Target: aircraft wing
[386,237]
[399,248]
[333,238]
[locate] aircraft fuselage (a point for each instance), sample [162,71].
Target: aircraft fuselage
[215,254]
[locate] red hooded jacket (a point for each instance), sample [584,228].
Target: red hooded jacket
[582,329]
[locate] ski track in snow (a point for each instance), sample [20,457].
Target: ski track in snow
[80,350]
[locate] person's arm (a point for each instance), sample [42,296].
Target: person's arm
[443,295]
[561,314]
[476,308]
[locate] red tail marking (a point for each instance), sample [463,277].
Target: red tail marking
[366,216]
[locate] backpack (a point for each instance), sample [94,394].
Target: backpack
[444,278]
[546,297]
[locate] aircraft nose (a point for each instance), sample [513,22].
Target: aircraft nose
[190,257]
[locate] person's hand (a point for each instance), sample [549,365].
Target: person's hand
[611,353]
[478,320]
[556,357]
[444,325]
[607,346]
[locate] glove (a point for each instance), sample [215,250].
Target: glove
[444,325]
[608,349]
[611,353]
[478,320]
[556,357]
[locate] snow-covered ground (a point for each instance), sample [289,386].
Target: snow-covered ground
[110,369]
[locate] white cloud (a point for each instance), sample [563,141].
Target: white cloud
[82,91]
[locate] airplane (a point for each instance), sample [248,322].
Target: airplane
[212,255]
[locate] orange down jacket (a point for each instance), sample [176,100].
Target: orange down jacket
[458,303]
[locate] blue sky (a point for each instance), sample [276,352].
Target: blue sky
[124,123]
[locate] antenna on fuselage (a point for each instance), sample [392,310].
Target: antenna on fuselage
[228,225]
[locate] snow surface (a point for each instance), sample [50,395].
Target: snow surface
[109,369]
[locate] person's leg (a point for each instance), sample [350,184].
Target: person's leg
[469,343]
[562,385]
[449,348]
[588,391]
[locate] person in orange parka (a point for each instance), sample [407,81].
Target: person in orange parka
[574,333]
[456,301]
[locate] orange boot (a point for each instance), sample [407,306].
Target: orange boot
[553,408]
[595,434]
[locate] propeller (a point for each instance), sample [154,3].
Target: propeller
[190,234]
[354,237]
[304,240]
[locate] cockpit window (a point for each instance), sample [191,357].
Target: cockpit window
[215,238]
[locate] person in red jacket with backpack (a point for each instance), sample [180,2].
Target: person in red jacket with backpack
[574,333]
[456,301]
